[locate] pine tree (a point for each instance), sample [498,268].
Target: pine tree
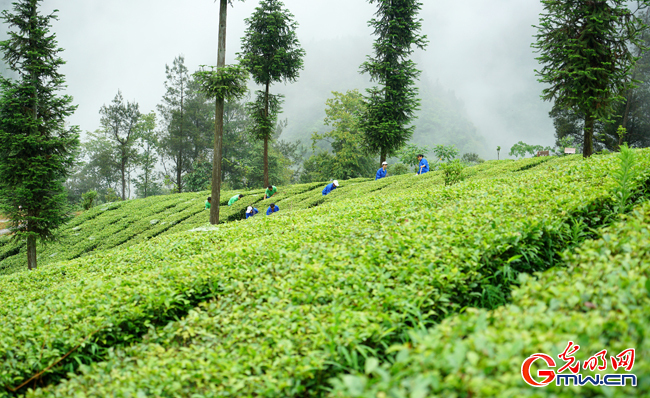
[391,107]
[587,58]
[271,52]
[37,150]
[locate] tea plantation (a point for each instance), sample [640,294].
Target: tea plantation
[369,291]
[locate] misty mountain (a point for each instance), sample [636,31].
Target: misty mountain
[333,65]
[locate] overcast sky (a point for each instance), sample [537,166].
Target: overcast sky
[480,49]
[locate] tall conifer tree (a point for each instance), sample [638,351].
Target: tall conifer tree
[586,56]
[390,108]
[36,148]
[271,52]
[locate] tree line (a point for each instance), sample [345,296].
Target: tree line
[137,154]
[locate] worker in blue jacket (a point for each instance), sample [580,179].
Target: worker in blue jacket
[330,187]
[382,172]
[423,166]
[251,211]
[272,209]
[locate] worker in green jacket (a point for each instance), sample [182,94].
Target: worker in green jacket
[208,203]
[234,199]
[270,191]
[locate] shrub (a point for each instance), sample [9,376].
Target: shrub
[397,169]
[87,199]
[453,171]
[471,158]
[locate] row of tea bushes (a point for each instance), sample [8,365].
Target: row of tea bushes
[102,227]
[126,223]
[601,300]
[122,224]
[303,296]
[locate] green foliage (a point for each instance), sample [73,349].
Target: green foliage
[263,114]
[621,132]
[453,171]
[409,154]
[585,49]
[188,115]
[446,153]
[119,125]
[521,149]
[37,150]
[200,178]
[391,107]
[88,199]
[302,304]
[346,140]
[566,142]
[146,182]
[570,125]
[278,166]
[398,169]
[111,196]
[95,168]
[471,158]
[271,51]
[227,83]
[625,178]
[599,300]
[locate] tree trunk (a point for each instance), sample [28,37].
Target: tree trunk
[629,100]
[588,147]
[218,120]
[31,251]
[123,180]
[626,115]
[382,156]
[267,135]
[179,169]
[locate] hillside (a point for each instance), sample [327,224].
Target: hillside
[278,306]
[122,224]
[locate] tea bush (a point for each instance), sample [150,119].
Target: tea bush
[289,301]
[601,300]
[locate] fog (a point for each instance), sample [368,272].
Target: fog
[479,50]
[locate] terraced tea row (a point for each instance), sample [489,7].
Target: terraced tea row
[123,224]
[600,301]
[301,296]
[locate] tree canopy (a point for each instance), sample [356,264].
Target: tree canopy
[585,51]
[271,52]
[391,107]
[37,149]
